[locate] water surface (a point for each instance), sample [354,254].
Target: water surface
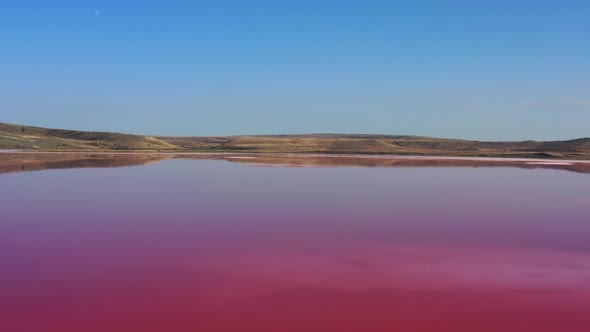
[218,243]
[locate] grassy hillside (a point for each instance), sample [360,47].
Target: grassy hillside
[382,144]
[26,137]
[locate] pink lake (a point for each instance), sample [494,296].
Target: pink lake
[219,244]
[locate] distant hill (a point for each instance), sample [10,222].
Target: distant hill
[27,137]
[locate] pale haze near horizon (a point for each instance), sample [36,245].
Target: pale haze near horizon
[494,71]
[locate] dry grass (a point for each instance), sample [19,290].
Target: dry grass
[24,137]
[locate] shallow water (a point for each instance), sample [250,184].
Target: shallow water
[212,245]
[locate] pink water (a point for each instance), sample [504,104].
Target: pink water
[189,245]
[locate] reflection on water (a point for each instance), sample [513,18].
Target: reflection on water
[208,245]
[16,162]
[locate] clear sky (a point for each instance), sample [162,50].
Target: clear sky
[497,69]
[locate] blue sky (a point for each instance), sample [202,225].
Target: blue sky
[502,70]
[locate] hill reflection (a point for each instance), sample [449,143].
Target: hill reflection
[20,162]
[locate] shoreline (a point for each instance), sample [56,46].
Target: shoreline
[238,155]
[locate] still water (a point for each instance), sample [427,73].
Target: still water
[224,244]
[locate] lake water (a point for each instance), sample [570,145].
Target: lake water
[352,244]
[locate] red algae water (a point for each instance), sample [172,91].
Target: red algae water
[202,245]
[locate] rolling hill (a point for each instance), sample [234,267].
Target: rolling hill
[44,139]
[27,137]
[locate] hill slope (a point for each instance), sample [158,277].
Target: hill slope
[26,137]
